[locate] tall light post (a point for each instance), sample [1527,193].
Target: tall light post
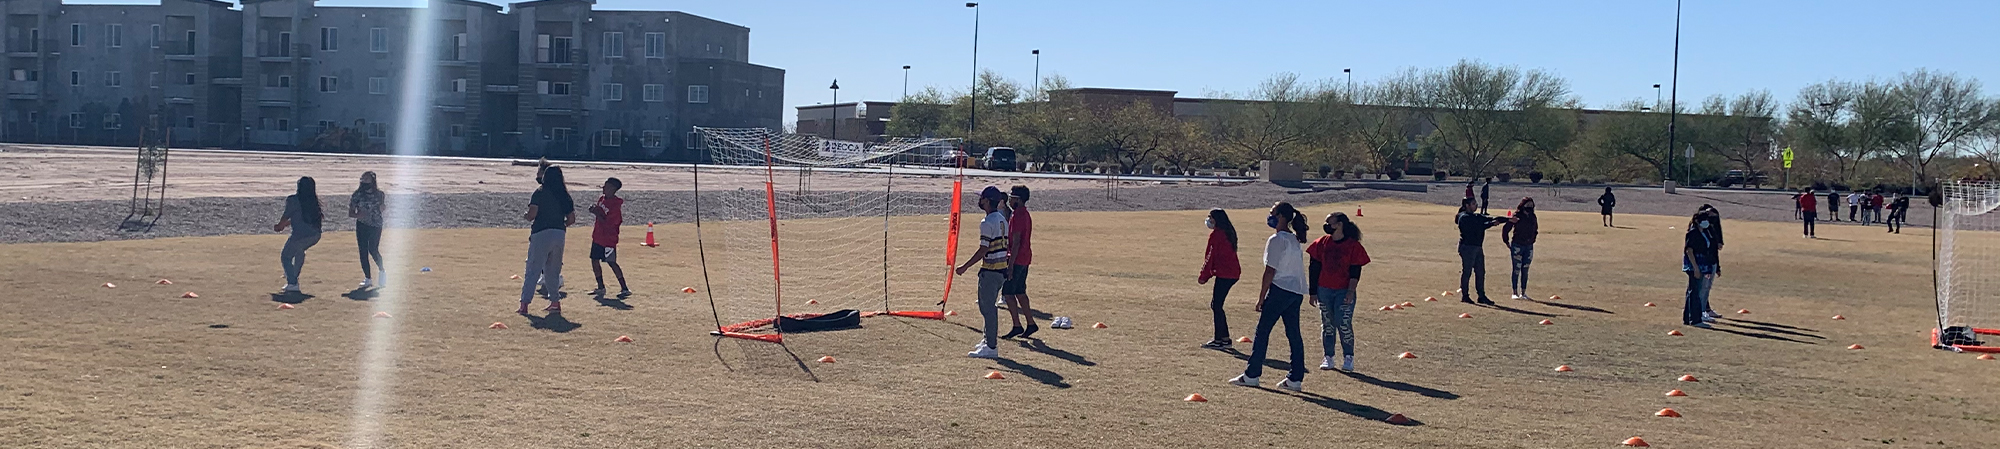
[1350,83]
[1673,92]
[836,108]
[972,125]
[1038,71]
[906,82]
[1656,96]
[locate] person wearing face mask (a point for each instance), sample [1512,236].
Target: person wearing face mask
[1279,296]
[1714,220]
[1699,261]
[1219,263]
[1335,275]
[1519,236]
[1472,227]
[1811,208]
[993,262]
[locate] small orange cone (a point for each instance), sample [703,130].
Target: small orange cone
[286,307]
[1445,294]
[1854,347]
[381,314]
[1688,378]
[1649,304]
[1244,340]
[994,375]
[1555,297]
[1676,393]
[164,282]
[1563,368]
[951,313]
[1667,413]
[190,295]
[1357,212]
[1398,419]
[1384,308]
[1675,333]
[1099,325]
[1742,311]
[1431,299]
[1408,304]
[1985,357]
[1635,442]
[622,339]
[1395,307]
[514,277]
[1195,398]
[110,285]
[649,237]
[1406,356]
[1547,322]
[812,302]
[1465,315]
[687,289]
[497,325]
[1838,317]
[826,359]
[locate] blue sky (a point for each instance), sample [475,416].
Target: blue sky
[1610,50]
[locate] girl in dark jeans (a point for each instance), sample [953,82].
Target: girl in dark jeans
[365,207]
[1699,260]
[1219,263]
[1282,291]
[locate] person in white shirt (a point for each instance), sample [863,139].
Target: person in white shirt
[1853,205]
[1279,295]
[994,268]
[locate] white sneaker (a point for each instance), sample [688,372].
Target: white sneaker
[983,352]
[1243,380]
[1347,363]
[365,283]
[381,279]
[1326,363]
[1517,297]
[291,288]
[1292,385]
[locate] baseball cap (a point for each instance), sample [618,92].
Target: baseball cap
[992,193]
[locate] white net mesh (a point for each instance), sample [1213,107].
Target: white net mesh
[860,226]
[1967,281]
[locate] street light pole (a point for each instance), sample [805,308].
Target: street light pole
[906,83]
[836,109]
[1673,92]
[1038,71]
[1656,96]
[972,125]
[1350,83]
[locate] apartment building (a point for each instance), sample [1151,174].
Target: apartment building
[104,74]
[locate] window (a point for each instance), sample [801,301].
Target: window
[34,40]
[697,94]
[559,50]
[612,92]
[190,42]
[76,35]
[459,85]
[541,48]
[267,123]
[76,120]
[325,125]
[190,78]
[284,81]
[542,87]
[284,124]
[457,47]
[284,44]
[378,130]
[189,122]
[563,134]
[610,137]
[75,78]
[329,39]
[614,45]
[652,139]
[153,79]
[457,130]
[378,86]
[653,93]
[656,45]
[20,75]
[114,35]
[154,39]
[111,121]
[559,88]
[378,40]
[114,79]
[34,117]
[329,84]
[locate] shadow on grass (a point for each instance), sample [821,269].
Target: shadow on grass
[614,303]
[1401,386]
[290,297]
[1339,405]
[762,357]
[1758,335]
[1269,363]
[361,294]
[554,321]
[1776,325]
[1519,311]
[1571,306]
[1046,377]
[1771,330]
[1036,344]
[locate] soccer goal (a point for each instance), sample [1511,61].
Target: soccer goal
[799,233]
[1968,266]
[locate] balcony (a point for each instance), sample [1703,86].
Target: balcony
[226,81]
[573,59]
[452,101]
[276,96]
[24,90]
[280,54]
[555,104]
[178,50]
[173,91]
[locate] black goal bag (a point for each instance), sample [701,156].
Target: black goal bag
[1959,335]
[844,319]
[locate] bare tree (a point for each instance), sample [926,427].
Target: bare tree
[1187,145]
[1273,122]
[1634,134]
[1131,134]
[1820,121]
[1048,131]
[1477,108]
[1737,129]
[1936,111]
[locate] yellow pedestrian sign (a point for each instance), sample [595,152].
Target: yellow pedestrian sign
[1788,157]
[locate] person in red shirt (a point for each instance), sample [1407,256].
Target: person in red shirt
[609,213]
[1020,229]
[1809,210]
[1334,272]
[1219,263]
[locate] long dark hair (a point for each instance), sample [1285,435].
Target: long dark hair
[1523,208]
[1348,231]
[308,196]
[367,185]
[552,181]
[1286,212]
[1223,225]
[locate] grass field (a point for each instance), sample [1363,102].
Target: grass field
[136,366]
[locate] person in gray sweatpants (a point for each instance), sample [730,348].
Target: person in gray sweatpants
[994,268]
[304,217]
[552,211]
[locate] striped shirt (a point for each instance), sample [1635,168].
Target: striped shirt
[993,235]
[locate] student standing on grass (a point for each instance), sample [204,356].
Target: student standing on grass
[365,207]
[1853,205]
[607,215]
[551,211]
[1605,203]
[1020,229]
[992,258]
[1876,202]
[1899,213]
[1714,218]
[1699,261]
[1335,276]
[1279,296]
[303,215]
[1472,228]
[1808,203]
[1797,208]
[1485,194]
[1832,205]
[1519,236]
[1218,262]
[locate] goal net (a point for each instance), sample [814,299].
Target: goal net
[794,227]
[1968,266]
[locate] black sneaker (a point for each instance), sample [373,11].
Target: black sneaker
[1011,334]
[1031,330]
[1216,344]
[1483,300]
[1465,300]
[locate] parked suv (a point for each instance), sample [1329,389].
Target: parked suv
[1000,159]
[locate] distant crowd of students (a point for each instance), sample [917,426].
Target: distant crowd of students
[1866,208]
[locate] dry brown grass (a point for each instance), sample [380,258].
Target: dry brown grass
[136,367]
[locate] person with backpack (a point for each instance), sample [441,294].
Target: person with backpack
[1218,262]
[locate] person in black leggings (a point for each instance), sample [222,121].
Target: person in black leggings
[365,207]
[1219,263]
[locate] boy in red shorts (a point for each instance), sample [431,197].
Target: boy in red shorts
[609,212]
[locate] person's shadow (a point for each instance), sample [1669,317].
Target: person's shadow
[1401,386]
[1036,345]
[1046,377]
[290,297]
[361,294]
[614,303]
[554,321]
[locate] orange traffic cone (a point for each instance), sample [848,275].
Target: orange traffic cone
[1099,325]
[1667,413]
[1688,378]
[1547,322]
[1676,393]
[110,285]
[497,325]
[1675,333]
[1854,347]
[812,302]
[1244,340]
[285,307]
[1649,304]
[649,237]
[1195,398]
[190,295]
[1465,315]
[687,289]
[994,375]
[164,282]
[1742,311]
[1635,442]
[622,339]
[1985,357]
[1563,368]
[826,359]
[1838,317]
[1357,212]
[381,314]
[1397,419]
[1406,356]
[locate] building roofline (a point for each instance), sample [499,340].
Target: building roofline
[1116,90]
[537,3]
[472,3]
